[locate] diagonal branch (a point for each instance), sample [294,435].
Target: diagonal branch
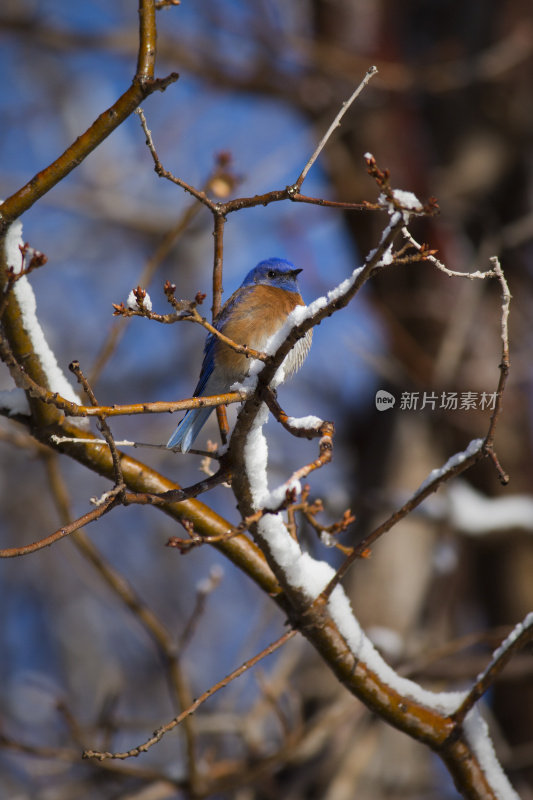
[519,636]
[160,732]
[335,124]
[64,530]
[143,84]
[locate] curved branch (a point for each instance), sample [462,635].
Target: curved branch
[318,606]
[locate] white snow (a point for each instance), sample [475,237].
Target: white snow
[517,631]
[309,422]
[474,513]
[407,200]
[57,381]
[256,459]
[387,640]
[387,257]
[311,576]
[132,303]
[478,737]
[474,446]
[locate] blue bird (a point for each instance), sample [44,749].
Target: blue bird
[253,313]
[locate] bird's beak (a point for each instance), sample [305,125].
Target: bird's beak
[296,272]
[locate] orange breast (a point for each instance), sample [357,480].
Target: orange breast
[260,313]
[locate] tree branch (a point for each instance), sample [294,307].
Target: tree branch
[143,84]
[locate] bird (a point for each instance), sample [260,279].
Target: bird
[253,313]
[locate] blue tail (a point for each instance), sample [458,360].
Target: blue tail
[188,429]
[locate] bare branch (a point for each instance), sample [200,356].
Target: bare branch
[65,530]
[187,313]
[74,367]
[142,85]
[335,124]
[165,173]
[158,735]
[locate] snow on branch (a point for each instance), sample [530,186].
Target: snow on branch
[319,606]
[23,292]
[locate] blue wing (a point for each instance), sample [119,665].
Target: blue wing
[195,419]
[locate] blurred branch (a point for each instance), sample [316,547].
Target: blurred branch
[160,253]
[459,463]
[143,84]
[65,530]
[505,363]
[72,756]
[323,624]
[158,735]
[317,56]
[166,646]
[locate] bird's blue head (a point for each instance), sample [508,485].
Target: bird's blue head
[274,272]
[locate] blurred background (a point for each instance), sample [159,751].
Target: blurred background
[450,115]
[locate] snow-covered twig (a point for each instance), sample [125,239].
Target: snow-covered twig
[25,298]
[519,636]
[318,604]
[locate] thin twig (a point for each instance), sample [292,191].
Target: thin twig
[160,732]
[335,124]
[428,487]
[505,364]
[429,255]
[160,253]
[25,381]
[156,630]
[519,636]
[65,530]
[164,173]
[189,314]
[311,432]
[184,545]
[74,367]
[179,495]
[206,587]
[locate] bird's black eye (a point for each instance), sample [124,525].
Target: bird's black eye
[271,273]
